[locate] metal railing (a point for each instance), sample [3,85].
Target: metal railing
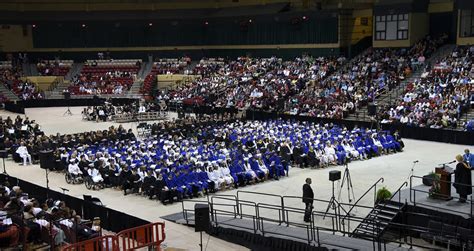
[374,187]
[283,211]
[107,242]
[413,200]
[149,235]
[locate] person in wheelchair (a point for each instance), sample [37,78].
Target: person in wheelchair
[95,176]
[74,170]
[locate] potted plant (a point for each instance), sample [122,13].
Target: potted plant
[429,178]
[383,194]
[435,189]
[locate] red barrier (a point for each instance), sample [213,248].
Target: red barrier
[150,235]
[104,243]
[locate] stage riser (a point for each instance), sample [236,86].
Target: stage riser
[446,218]
[261,243]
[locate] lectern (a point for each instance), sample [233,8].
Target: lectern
[445,182]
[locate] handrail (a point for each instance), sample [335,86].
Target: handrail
[106,242]
[313,230]
[259,193]
[363,195]
[185,210]
[150,235]
[397,191]
[471,201]
[393,195]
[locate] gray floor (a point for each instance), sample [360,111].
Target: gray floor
[394,168]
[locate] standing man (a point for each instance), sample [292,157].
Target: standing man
[308,197]
[469,158]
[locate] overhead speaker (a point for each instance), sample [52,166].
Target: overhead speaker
[201,217]
[46,159]
[334,175]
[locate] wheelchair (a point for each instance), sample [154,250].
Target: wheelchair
[91,185]
[70,179]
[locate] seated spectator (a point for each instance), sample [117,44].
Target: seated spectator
[22,151]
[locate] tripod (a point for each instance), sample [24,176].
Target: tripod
[412,171]
[332,202]
[4,155]
[67,97]
[47,183]
[346,178]
[68,112]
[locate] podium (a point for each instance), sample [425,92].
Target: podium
[445,174]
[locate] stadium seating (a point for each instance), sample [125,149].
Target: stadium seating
[439,97]
[106,77]
[54,67]
[163,66]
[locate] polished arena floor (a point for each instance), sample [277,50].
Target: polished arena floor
[394,168]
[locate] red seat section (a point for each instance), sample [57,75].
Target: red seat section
[164,66]
[54,67]
[105,77]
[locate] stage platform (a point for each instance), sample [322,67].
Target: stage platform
[419,197]
[327,239]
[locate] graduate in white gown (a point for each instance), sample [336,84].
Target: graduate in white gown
[350,150]
[262,166]
[95,175]
[225,173]
[330,153]
[218,177]
[23,153]
[321,156]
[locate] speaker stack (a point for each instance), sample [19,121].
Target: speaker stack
[334,175]
[201,217]
[46,159]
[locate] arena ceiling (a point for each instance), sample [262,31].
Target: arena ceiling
[151,5]
[25,11]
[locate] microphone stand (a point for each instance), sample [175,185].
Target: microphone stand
[412,171]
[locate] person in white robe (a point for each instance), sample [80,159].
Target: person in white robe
[95,175]
[22,151]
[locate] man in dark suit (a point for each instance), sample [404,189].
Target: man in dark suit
[308,197]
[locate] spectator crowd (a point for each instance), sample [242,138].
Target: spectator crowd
[440,97]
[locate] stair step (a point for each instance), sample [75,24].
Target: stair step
[387,212]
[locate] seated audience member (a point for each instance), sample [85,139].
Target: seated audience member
[22,151]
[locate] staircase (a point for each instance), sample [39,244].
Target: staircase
[57,93]
[191,66]
[26,69]
[134,91]
[7,93]
[33,70]
[144,70]
[469,115]
[76,68]
[389,97]
[378,220]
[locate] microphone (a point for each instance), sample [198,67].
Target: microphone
[416,161]
[452,162]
